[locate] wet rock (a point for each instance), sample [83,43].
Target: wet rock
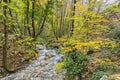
[40,47]
[46,58]
[105,77]
[41,58]
[111,77]
[56,45]
[49,55]
[21,75]
[37,78]
[43,63]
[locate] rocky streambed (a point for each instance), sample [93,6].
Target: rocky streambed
[40,69]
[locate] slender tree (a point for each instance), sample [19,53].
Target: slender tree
[27,16]
[48,5]
[33,15]
[74,2]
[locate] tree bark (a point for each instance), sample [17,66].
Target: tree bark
[72,30]
[5,35]
[27,16]
[33,22]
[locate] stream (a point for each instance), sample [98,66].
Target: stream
[41,69]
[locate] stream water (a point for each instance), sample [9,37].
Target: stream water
[40,69]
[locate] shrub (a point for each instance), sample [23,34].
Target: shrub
[97,75]
[76,64]
[115,34]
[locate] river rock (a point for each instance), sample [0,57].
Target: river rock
[41,58]
[40,47]
[49,54]
[46,58]
[43,63]
[111,77]
[105,77]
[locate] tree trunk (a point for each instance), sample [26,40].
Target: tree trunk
[12,25]
[33,23]
[4,63]
[74,1]
[27,16]
[5,35]
[44,19]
